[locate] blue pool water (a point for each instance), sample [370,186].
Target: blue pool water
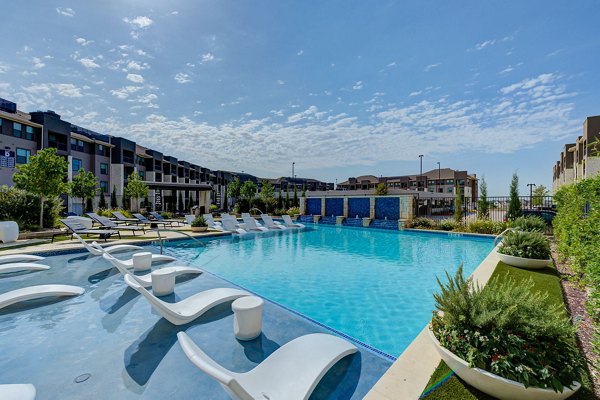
[373,285]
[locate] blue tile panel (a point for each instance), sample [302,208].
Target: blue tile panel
[305,218]
[327,220]
[313,206]
[387,207]
[353,222]
[334,207]
[390,224]
[359,206]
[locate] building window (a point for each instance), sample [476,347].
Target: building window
[29,133]
[450,190]
[73,144]
[23,156]
[77,164]
[17,129]
[104,186]
[449,181]
[104,168]
[142,175]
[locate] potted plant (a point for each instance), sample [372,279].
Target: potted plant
[199,224]
[505,339]
[525,250]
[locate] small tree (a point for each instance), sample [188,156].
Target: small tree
[102,201]
[44,176]
[303,191]
[538,195]
[280,200]
[113,199]
[482,205]
[180,205]
[458,205]
[295,196]
[125,201]
[267,195]
[89,204]
[233,189]
[287,199]
[136,189]
[381,189]
[225,201]
[514,204]
[146,202]
[83,186]
[247,193]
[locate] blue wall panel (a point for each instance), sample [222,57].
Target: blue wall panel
[334,207]
[313,206]
[387,207]
[359,206]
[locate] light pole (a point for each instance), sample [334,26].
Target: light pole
[421,172]
[531,185]
[293,164]
[439,177]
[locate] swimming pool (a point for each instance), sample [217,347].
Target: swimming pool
[373,285]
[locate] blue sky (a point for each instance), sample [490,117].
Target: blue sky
[343,88]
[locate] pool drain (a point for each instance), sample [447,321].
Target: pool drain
[82,378]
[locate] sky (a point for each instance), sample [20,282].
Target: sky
[341,88]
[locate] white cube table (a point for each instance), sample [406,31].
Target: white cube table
[9,231]
[247,317]
[163,282]
[142,261]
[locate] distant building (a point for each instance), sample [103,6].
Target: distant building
[444,180]
[579,160]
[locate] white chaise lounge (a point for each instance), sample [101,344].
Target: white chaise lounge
[291,372]
[38,292]
[231,225]
[146,280]
[13,258]
[190,308]
[269,223]
[23,391]
[21,266]
[210,221]
[252,226]
[96,250]
[287,220]
[129,263]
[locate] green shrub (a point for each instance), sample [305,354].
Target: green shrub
[447,225]
[293,211]
[24,208]
[213,208]
[166,214]
[424,223]
[525,244]
[486,226]
[199,222]
[530,223]
[508,329]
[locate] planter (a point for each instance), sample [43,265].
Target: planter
[529,263]
[199,228]
[494,385]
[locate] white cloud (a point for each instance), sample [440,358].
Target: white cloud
[4,68]
[135,78]
[46,89]
[140,22]
[67,12]
[358,85]
[431,66]
[37,63]
[416,93]
[125,91]
[484,44]
[88,63]
[208,57]
[392,64]
[280,82]
[508,69]
[182,78]
[300,52]
[529,83]
[83,41]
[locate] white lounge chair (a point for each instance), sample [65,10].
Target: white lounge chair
[22,266]
[231,225]
[97,250]
[247,215]
[24,391]
[189,218]
[146,280]
[287,220]
[252,226]
[211,222]
[12,258]
[269,223]
[188,309]
[110,224]
[291,372]
[129,263]
[120,217]
[38,292]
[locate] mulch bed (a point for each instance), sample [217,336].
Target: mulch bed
[575,297]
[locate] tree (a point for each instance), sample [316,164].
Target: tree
[146,202]
[180,205]
[233,189]
[247,193]
[381,189]
[113,199]
[287,199]
[83,186]
[538,195]
[458,205]
[267,195]
[44,176]
[136,188]
[280,200]
[295,196]
[225,201]
[303,191]
[89,204]
[514,204]
[102,202]
[483,211]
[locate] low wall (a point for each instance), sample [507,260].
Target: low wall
[390,207]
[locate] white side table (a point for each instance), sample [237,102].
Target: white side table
[163,282]
[142,261]
[247,317]
[9,231]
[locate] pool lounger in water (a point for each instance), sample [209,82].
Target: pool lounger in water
[38,292]
[12,258]
[21,266]
[291,372]
[97,250]
[190,308]
[24,391]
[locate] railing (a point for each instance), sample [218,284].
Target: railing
[160,239]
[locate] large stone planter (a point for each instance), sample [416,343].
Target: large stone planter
[529,263]
[199,228]
[494,385]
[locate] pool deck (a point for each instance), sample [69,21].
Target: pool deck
[410,373]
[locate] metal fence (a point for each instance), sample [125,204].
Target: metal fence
[443,208]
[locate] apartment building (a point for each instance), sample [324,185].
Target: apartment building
[443,180]
[579,160]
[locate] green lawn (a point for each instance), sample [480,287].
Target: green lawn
[453,388]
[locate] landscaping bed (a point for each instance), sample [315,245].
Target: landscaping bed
[444,385]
